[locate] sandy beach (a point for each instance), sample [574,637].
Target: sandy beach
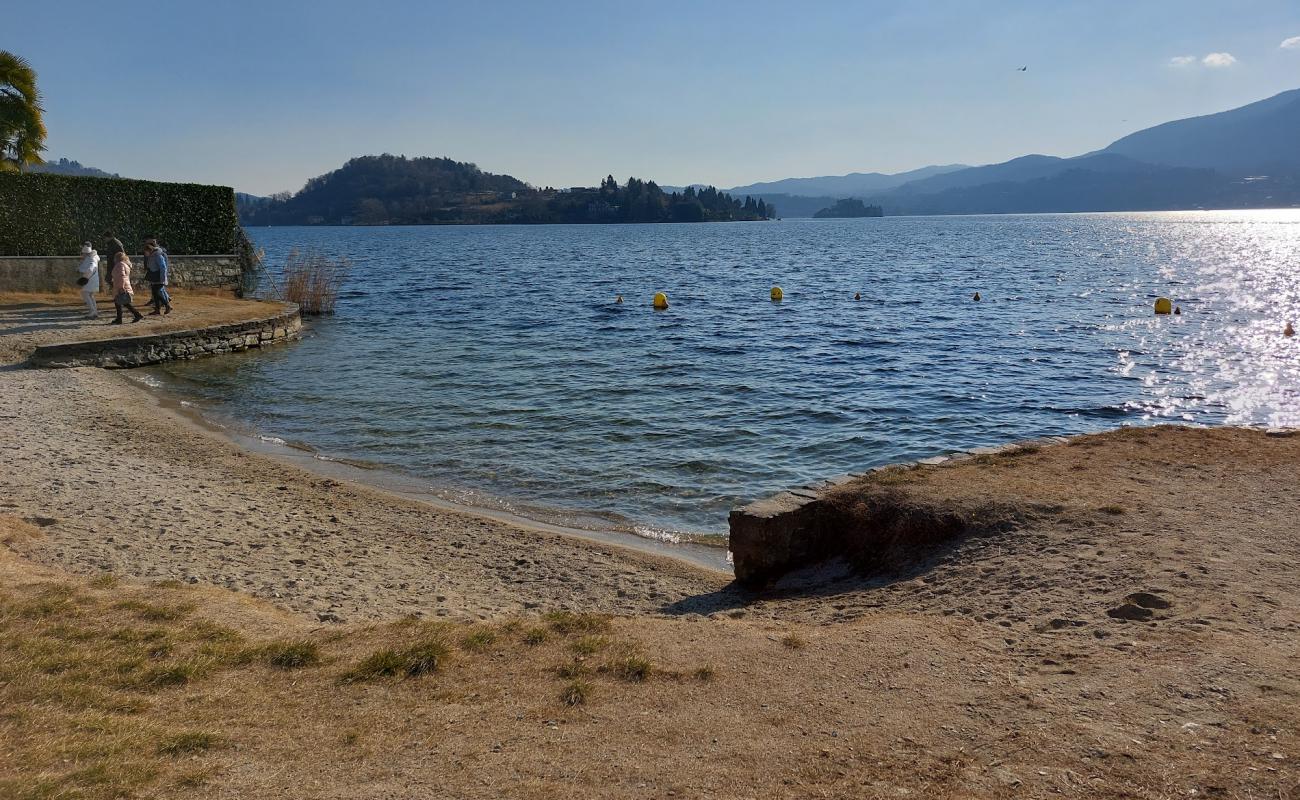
[1129,627]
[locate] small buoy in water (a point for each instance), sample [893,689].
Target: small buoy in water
[857,295]
[976,298]
[1178,310]
[777,294]
[1288,330]
[1163,306]
[619,299]
[661,301]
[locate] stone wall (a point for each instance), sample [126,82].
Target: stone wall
[138,351]
[797,528]
[52,273]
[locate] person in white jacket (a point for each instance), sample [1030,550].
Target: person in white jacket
[89,280]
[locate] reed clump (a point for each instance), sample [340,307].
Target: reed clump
[313,280]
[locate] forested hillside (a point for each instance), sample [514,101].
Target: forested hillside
[395,190]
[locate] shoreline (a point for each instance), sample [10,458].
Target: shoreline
[383,479]
[149,494]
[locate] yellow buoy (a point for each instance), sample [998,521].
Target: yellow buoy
[1163,306]
[661,301]
[777,294]
[976,298]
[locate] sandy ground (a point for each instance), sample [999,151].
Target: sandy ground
[1011,664]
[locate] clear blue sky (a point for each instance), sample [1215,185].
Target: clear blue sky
[263,95]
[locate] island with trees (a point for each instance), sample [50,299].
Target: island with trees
[396,190]
[849,207]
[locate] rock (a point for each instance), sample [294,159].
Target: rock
[1147,600]
[1131,612]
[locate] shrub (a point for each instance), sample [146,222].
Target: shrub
[43,214]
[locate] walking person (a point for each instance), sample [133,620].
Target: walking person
[112,246]
[122,293]
[155,271]
[89,280]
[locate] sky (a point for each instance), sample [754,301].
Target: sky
[264,95]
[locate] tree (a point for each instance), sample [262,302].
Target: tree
[22,132]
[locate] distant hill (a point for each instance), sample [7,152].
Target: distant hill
[68,167]
[789,205]
[1140,187]
[396,190]
[848,209]
[1248,157]
[856,184]
[1259,138]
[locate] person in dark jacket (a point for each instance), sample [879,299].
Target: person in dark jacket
[155,271]
[112,246]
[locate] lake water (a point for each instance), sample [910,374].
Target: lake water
[493,363]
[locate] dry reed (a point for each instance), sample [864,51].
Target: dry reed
[312,280]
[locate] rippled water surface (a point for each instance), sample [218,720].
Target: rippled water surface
[494,363]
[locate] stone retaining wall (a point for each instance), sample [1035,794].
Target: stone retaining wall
[52,273]
[138,351]
[796,528]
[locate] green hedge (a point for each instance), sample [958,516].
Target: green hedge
[51,215]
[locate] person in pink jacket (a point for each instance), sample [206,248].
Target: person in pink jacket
[122,294]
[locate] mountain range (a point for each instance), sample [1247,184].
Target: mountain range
[1248,157]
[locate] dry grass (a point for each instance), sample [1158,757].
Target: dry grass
[109,690]
[312,280]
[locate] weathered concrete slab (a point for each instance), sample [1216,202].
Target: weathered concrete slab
[139,351]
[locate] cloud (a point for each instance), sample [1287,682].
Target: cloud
[1182,61]
[1291,44]
[1219,60]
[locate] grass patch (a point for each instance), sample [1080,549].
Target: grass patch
[104,580]
[575,693]
[793,641]
[1113,510]
[477,640]
[189,742]
[151,612]
[50,600]
[535,636]
[567,623]
[632,667]
[171,675]
[422,658]
[589,645]
[293,654]
[572,669]
[705,673]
